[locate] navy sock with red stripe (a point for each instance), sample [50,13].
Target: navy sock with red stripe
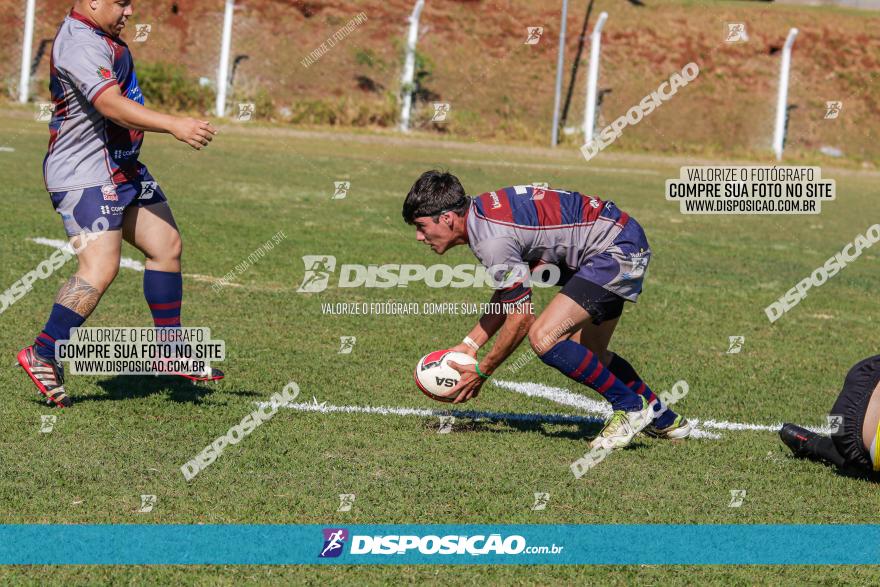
[61,320]
[581,364]
[164,293]
[663,414]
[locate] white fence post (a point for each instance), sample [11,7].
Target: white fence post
[409,66]
[25,80]
[223,70]
[782,99]
[593,78]
[560,60]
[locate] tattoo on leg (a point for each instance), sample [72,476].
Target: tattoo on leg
[78,295]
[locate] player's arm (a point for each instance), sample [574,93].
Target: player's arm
[130,114]
[484,330]
[514,322]
[504,251]
[515,328]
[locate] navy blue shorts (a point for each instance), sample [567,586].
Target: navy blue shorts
[851,407]
[611,277]
[621,267]
[80,208]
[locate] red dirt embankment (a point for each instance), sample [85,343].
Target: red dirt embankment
[476,60]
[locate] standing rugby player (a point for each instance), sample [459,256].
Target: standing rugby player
[601,253]
[92,171]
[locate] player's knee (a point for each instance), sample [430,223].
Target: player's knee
[543,338]
[169,252]
[107,277]
[173,249]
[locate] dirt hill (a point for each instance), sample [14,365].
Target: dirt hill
[473,56]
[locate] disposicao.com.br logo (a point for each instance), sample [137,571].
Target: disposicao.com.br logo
[320,268]
[430,544]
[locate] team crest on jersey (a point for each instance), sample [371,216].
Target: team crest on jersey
[109,192]
[105,73]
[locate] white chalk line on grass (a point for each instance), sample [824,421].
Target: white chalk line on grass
[556,394]
[565,397]
[468,414]
[125,262]
[426,413]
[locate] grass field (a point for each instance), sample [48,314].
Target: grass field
[710,278]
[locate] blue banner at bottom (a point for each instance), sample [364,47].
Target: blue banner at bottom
[35,544]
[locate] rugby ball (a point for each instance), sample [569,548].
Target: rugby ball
[436,378]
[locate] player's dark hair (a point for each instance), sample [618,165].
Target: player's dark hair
[434,193]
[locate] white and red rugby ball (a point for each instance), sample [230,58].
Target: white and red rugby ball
[436,378]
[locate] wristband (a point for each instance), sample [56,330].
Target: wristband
[471,343]
[480,373]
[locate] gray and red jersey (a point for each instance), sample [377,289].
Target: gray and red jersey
[86,149]
[530,225]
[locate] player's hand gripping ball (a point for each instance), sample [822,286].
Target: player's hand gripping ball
[436,378]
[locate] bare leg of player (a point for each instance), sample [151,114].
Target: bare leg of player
[550,337]
[597,338]
[152,230]
[560,319]
[667,423]
[98,259]
[98,266]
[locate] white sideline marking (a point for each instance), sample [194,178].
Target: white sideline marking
[567,398]
[124,262]
[472,414]
[555,394]
[426,413]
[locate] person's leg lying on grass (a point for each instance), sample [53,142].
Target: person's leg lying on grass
[854,420]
